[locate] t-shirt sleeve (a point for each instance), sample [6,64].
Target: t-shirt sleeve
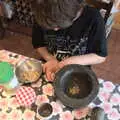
[37,37]
[97,41]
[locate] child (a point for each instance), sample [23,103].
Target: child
[68,32]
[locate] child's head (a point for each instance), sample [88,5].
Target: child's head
[56,13]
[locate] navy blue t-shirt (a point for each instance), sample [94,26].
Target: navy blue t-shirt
[86,35]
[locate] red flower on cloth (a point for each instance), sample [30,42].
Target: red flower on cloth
[108,86]
[41,99]
[115,99]
[103,95]
[114,115]
[29,115]
[80,113]
[4,103]
[67,115]
[57,109]
[48,89]
[16,115]
[4,116]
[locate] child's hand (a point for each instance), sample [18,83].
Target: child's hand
[50,68]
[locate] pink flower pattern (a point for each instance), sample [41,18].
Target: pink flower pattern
[67,115]
[16,115]
[80,113]
[4,103]
[115,99]
[13,103]
[4,116]
[56,108]
[28,115]
[48,89]
[37,84]
[104,96]
[4,56]
[114,115]
[107,107]
[108,86]
[41,99]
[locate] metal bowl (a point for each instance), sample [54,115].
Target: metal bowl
[28,71]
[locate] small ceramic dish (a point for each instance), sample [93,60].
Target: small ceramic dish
[44,111]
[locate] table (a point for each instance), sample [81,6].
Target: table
[108,99]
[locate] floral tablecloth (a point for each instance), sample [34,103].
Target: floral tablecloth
[108,99]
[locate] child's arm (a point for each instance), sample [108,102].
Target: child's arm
[52,66]
[88,59]
[43,52]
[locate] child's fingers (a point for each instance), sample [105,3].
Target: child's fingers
[52,76]
[48,75]
[44,68]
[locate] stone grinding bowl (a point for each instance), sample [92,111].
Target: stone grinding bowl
[76,86]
